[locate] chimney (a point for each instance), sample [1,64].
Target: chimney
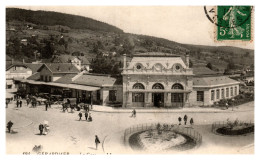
[187,59]
[124,57]
[23,61]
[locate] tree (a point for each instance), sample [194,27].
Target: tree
[209,65]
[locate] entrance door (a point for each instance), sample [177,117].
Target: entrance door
[177,99]
[158,99]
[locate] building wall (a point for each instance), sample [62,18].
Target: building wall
[149,80]
[18,72]
[45,72]
[207,94]
[104,94]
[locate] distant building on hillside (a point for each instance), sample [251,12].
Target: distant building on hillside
[81,62]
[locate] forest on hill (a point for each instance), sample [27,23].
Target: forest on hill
[54,18]
[42,35]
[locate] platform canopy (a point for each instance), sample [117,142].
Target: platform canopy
[71,86]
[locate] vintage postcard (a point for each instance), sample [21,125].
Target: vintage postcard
[89,80]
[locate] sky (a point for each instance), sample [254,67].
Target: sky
[183,24]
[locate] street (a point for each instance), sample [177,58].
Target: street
[68,134]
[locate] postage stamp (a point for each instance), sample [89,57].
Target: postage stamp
[232,23]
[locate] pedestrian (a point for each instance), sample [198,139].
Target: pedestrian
[179,119]
[27,101]
[41,127]
[227,105]
[9,126]
[97,141]
[191,121]
[46,106]
[21,103]
[134,113]
[17,103]
[80,115]
[185,119]
[6,103]
[86,116]
[89,117]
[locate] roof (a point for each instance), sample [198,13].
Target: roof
[67,58]
[35,76]
[203,71]
[95,80]
[66,79]
[155,54]
[60,67]
[16,64]
[213,81]
[33,67]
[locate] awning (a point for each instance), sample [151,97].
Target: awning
[9,95]
[71,86]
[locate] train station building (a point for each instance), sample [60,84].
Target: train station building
[166,80]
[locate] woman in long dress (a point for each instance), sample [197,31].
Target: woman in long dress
[231,15]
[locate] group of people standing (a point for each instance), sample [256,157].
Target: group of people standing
[19,103]
[45,128]
[87,116]
[185,119]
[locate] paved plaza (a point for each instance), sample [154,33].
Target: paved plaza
[68,134]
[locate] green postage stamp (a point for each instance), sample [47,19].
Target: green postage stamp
[234,23]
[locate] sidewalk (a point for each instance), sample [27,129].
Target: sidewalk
[241,108]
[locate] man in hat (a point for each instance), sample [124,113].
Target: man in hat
[97,141]
[179,119]
[80,115]
[41,127]
[9,126]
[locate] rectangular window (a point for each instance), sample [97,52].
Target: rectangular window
[138,97]
[227,92]
[49,78]
[231,91]
[177,97]
[46,78]
[200,96]
[112,95]
[222,93]
[212,95]
[217,93]
[235,91]
[42,78]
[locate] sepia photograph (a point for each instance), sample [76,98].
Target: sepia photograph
[117,80]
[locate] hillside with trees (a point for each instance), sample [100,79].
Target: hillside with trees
[41,35]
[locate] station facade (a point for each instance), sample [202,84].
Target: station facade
[166,80]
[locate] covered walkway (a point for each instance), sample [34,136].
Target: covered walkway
[70,86]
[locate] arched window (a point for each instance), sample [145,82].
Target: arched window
[177,86]
[138,86]
[158,86]
[138,96]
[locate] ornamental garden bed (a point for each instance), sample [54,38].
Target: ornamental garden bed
[161,140]
[236,128]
